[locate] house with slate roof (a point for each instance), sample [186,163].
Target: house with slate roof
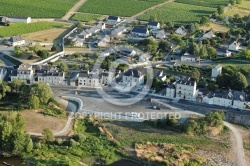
[186,89]
[113,19]
[154,25]
[16,41]
[132,78]
[141,32]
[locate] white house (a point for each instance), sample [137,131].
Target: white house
[3,73]
[15,19]
[154,25]
[113,19]
[118,31]
[161,75]
[216,71]
[127,51]
[186,89]
[208,98]
[103,41]
[188,58]
[108,52]
[16,41]
[209,34]
[85,34]
[141,32]
[235,46]
[160,34]
[223,99]
[132,78]
[50,77]
[94,78]
[78,40]
[24,73]
[170,90]
[240,99]
[181,31]
[224,52]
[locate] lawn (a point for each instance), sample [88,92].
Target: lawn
[118,7]
[23,28]
[207,3]
[245,4]
[235,10]
[36,8]
[178,12]
[85,17]
[215,27]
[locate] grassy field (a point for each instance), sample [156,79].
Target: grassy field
[235,10]
[245,4]
[178,12]
[23,28]
[215,27]
[208,3]
[36,8]
[85,17]
[118,7]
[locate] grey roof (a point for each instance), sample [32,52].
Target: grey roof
[223,50]
[186,82]
[152,23]
[126,50]
[139,30]
[13,72]
[170,86]
[15,39]
[133,73]
[239,95]
[115,18]
[218,66]
[24,66]
[55,74]
[204,91]
[225,95]
[83,74]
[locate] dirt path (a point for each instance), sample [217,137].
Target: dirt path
[151,8]
[67,128]
[73,9]
[237,145]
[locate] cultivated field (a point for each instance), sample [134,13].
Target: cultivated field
[46,35]
[23,28]
[36,8]
[118,7]
[85,17]
[208,3]
[178,12]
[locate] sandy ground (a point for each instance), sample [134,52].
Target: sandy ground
[36,122]
[47,36]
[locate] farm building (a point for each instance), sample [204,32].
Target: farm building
[154,25]
[16,41]
[142,32]
[113,19]
[15,19]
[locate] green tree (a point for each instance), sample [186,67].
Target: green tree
[195,75]
[16,84]
[191,28]
[18,51]
[4,88]
[238,81]
[53,48]
[211,51]
[205,21]
[42,91]
[151,45]
[164,45]
[215,118]
[220,10]
[43,54]
[79,25]
[223,80]
[63,67]
[95,55]
[19,123]
[195,50]
[203,52]
[48,135]
[6,133]
[157,84]
[246,54]
[34,102]
[29,144]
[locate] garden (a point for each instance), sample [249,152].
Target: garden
[36,8]
[178,13]
[117,7]
[23,28]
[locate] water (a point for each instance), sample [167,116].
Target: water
[16,161]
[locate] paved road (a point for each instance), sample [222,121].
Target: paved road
[73,10]
[6,62]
